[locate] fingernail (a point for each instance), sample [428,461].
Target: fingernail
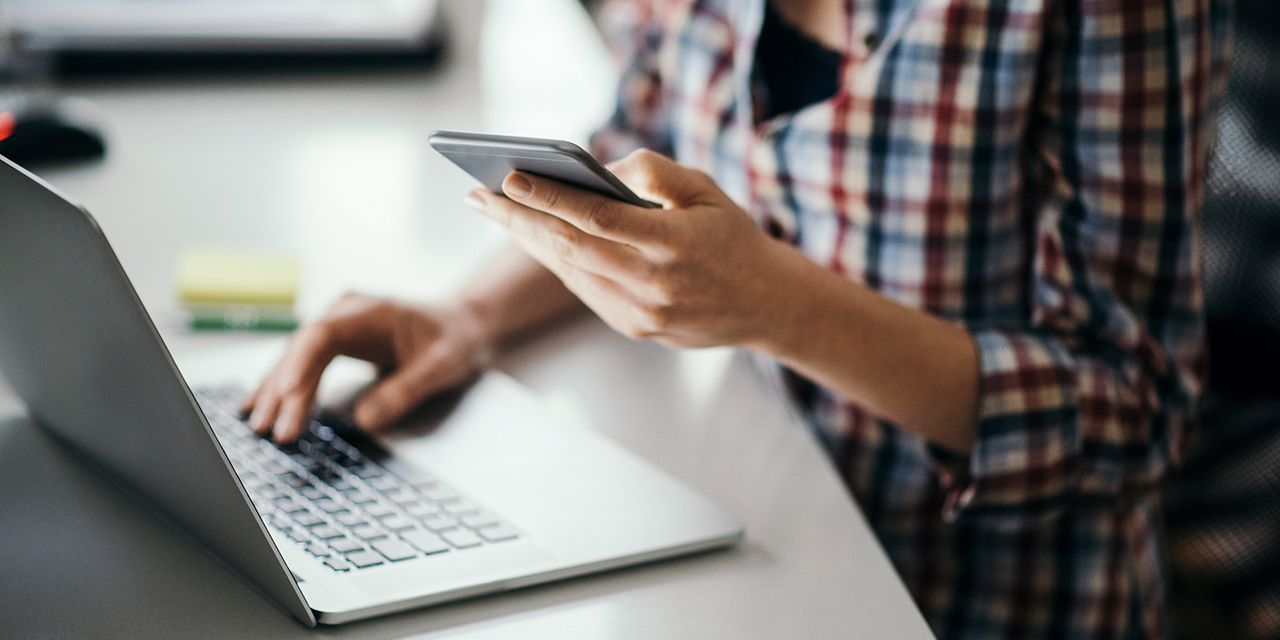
[255,420]
[475,201]
[517,186]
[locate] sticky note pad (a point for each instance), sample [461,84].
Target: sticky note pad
[236,277]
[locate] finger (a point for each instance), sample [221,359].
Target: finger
[616,304]
[298,373]
[593,213]
[610,301]
[247,402]
[561,239]
[397,394]
[543,254]
[567,273]
[294,417]
[311,352]
[264,412]
[655,177]
[605,297]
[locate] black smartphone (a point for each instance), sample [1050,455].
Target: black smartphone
[489,158]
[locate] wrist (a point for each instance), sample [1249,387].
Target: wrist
[788,312]
[477,322]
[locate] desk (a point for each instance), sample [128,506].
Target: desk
[334,167]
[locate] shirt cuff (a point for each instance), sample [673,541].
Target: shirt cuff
[1023,464]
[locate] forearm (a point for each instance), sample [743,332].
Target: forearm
[514,295]
[902,364]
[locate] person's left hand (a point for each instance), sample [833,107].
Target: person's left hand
[696,273]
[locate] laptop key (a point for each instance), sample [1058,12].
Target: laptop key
[364,559]
[288,505]
[461,538]
[280,469]
[439,522]
[296,536]
[326,532]
[317,550]
[352,453]
[267,490]
[426,541]
[422,509]
[479,519]
[366,532]
[345,545]
[378,510]
[350,519]
[307,519]
[410,473]
[330,505]
[323,432]
[338,564]
[394,550]
[460,506]
[397,523]
[366,471]
[360,497]
[401,496]
[498,533]
[440,493]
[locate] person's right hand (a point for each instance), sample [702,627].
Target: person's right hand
[418,351]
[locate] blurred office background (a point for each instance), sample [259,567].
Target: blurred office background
[320,145]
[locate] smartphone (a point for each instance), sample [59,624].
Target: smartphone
[489,158]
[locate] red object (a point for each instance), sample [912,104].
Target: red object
[6,124]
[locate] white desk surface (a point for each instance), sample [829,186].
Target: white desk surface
[333,166]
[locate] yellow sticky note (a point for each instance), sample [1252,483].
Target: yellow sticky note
[237,277]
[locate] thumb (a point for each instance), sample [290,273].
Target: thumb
[656,177]
[400,392]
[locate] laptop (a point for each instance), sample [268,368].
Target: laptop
[211,26]
[482,491]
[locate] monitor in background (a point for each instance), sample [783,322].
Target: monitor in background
[222,26]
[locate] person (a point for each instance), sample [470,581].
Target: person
[965,232]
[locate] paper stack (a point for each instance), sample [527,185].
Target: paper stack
[236,290]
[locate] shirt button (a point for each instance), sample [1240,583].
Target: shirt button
[950,510]
[871,40]
[774,228]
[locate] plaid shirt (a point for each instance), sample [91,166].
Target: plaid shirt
[1029,168]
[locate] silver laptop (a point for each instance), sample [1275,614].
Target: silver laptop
[482,491]
[302,26]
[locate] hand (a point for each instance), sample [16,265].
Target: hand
[696,273]
[418,351]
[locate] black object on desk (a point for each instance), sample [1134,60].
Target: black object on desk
[36,131]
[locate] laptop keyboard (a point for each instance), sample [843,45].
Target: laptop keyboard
[343,499]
